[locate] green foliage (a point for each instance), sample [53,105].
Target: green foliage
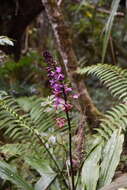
[25,127]
[16,125]
[115,118]
[31,130]
[9,173]
[90,179]
[113,77]
[30,133]
[99,168]
[34,139]
[25,77]
[110,158]
[25,63]
[108,26]
[45,171]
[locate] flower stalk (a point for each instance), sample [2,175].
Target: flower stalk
[70,145]
[60,91]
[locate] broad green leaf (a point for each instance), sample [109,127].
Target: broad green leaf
[111,157]
[108,27]
[44,182]
[5,41]
[44,169]
[90,170]
[8,173]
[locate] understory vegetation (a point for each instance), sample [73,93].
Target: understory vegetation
[63,101]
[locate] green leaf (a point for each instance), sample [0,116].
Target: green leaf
[5,41]
[111,157]
[56,185]
[44,182]
[108,27]
[90,170]
[46,172]
[8,173]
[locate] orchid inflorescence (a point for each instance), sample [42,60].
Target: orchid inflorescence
[59,89]
[56,79]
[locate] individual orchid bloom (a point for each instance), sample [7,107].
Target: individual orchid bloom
[61,122]
[75,96]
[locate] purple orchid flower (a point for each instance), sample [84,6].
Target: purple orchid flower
[56,79]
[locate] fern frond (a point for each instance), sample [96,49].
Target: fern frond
[115,118]
[42,118]
[17,125]
[42,113]
[25,128]
[113,77]
[15,149]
